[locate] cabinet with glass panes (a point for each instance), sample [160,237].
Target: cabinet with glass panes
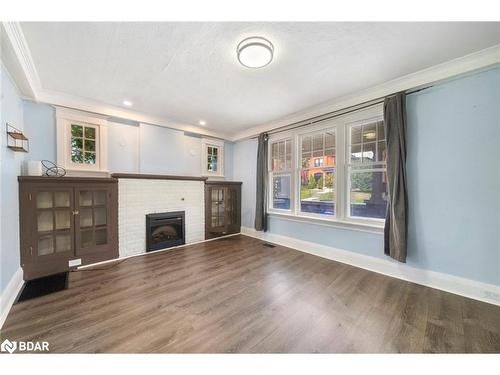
[65,220]
[222,208]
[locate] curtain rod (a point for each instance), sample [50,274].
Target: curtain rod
[337,113]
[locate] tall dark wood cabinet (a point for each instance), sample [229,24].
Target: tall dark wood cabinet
[222,208]
[65,222]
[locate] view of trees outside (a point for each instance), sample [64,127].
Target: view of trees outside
[368,192]
[366,171]
[317,187]
[361,187]
[317,191]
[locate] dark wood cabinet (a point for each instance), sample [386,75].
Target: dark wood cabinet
[68,219]
[222,208]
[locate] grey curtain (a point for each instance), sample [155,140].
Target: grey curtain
[396,221]
[261,198]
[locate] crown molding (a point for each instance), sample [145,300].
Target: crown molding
[22,52]
[435,74]
[71,102]
[474,61]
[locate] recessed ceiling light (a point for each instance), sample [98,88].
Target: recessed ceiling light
[127,103]
[255,52]
[202,123]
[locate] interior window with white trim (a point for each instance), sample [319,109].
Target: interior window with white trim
[317,173]
[84,140]
[367,180]
[212,155]
[81,141]
[281,174]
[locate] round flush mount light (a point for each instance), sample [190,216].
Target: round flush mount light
[255,52]
[202,122]
[127,103]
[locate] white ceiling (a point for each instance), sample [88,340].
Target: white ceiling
[188,71]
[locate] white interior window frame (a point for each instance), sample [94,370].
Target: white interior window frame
[66,117]
[370,167]
[310,131]
[281,137]
[205,144]
[342,216]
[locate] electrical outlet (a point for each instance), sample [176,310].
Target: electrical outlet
[75,262]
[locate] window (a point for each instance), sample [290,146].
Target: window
[81,141]
[317,173]
[334,170]
[281,174]
[83,144]
[367,179]
[212,154]
[212,159]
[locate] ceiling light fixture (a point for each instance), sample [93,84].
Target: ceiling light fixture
[255,52]
[370,135]
[202,122]
[127,103]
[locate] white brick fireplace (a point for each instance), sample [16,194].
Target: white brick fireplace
[138,197]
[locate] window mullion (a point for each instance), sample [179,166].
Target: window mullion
[297,156]
[341,171]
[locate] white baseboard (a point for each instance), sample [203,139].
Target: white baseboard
[9,294]
[484,292]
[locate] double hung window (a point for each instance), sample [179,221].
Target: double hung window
[333,170]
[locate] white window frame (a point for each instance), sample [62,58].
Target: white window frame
[64,119]
[311,132]
[219,144]
[282,137]
[342,216]
[377,167]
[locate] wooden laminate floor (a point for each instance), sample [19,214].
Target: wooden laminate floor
[236,295]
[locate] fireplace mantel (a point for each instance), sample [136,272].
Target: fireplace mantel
[157,177]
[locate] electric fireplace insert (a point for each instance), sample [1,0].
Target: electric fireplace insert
[164,230]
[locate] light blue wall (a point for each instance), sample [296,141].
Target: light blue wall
[453,178]
[244,169]
[168,151]
[11,162]
[40,126]
[132,148]
[123,148]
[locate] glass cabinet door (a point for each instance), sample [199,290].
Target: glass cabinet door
[53,232]
[233,209]
[217,208]
[92,220]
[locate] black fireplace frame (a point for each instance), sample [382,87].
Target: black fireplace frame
[153,220]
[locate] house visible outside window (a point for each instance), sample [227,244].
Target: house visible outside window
[81,141]
[212,154]
[318,162]
[281,174]
[333,170]
[317,173]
